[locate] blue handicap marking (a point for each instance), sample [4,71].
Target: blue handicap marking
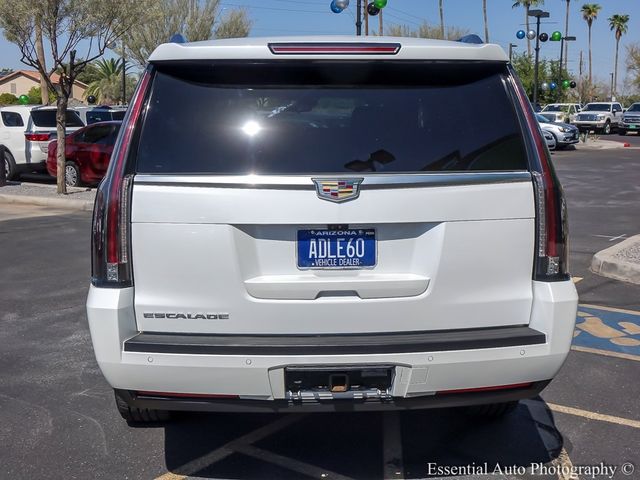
[606,328]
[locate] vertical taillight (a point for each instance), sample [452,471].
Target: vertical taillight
[551,254]
[111,262]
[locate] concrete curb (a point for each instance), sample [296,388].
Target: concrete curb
[610,263]
[63,203]
[600,145]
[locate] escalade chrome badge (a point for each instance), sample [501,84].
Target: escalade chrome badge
[190,316]
[337,190]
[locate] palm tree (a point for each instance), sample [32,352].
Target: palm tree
[442,20]
[527,4]
[589,14]
[486,23]
[566,34]
[618,23]
[107,87]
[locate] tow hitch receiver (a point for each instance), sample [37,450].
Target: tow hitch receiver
[314,384]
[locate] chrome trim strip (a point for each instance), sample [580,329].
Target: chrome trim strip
[304,182]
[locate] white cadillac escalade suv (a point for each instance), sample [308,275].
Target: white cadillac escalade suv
[296,224]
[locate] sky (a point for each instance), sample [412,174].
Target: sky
[314,17]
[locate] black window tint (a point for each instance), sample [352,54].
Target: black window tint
[97,134]
[330,118]
[47,118]
[12,119]
[118,114]
[94,116]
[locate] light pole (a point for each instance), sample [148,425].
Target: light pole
[538,14]
[359,18]
[511,47]
[562,40]
[612,87]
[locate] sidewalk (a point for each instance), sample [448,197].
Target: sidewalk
[620,262]
[45,195]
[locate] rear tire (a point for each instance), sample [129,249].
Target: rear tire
[492,410]
[140,416]
[72,174]
[10,168]
[622,132]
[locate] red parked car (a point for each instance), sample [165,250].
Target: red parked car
[88,151]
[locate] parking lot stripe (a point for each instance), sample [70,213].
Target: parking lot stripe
[392,446]
[229,448]
[594,415]
[565,466]
[606,353]
[289,463]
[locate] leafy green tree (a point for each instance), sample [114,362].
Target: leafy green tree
[8,99]
[107,87]
[35,96]
[619,25]
[589,14]
[633,63]
[197,20]
[235,24]
[66,25]
[548,72]
[527,4]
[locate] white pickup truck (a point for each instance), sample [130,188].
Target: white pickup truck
[599,116]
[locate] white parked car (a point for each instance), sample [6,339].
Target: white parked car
[297,224]
[561,112]
[26,131]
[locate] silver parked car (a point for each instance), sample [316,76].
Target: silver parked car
[564,134]
[550,139]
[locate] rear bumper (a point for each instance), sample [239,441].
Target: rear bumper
[194,404]
[436,363]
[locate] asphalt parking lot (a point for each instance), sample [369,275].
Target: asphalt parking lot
[59,421]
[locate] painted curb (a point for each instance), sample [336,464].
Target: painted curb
[64,203]
[607,264]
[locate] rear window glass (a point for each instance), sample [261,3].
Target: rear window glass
[47,118]
[329,118]
[94,116]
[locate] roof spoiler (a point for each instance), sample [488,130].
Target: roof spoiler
[471,38]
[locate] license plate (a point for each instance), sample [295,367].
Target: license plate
[323,248]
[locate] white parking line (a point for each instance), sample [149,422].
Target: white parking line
[594,415]
[290,463]
[229,448]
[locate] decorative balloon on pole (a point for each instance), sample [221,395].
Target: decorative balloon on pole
[373,8]
[544,37]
